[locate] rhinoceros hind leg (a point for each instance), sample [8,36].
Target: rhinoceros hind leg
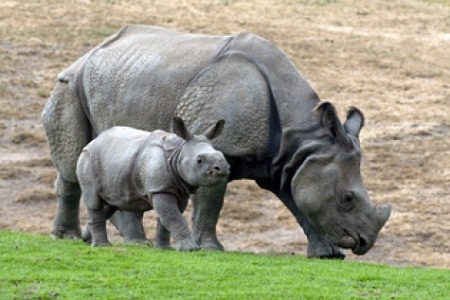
[97,227]
[207,203]
[66,223]
[86,235]
[130,226]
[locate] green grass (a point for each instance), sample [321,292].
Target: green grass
[36,267]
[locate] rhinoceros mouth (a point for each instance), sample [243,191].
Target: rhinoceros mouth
[218,174]
[214,179]
[361,245]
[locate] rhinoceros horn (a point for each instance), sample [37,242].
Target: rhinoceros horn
[383,213]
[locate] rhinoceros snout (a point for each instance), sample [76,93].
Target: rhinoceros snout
[219,170]
[362,245]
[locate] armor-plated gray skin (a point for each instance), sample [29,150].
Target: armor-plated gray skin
[276,132]
[134,170]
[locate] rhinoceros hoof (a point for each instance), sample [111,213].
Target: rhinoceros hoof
[192,248]
[334,255]
[212,246]
[71,234]
[101,244]
[163,247]
[86,235]
[330,252]
[138,241]
[187,246]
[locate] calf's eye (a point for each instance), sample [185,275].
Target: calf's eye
[199,160]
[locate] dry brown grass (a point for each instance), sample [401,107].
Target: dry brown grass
[9,172]
[389,58]
[47,177]
[35,194]
[28,136]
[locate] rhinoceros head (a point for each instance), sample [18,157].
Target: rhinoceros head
[327,186]
[199,164]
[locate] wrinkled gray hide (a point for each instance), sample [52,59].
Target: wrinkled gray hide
[135,170]
[276,133]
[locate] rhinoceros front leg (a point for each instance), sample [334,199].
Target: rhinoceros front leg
[170,216]
[162,239]
[207,204]
[67,221]
[318,245]
[130,226]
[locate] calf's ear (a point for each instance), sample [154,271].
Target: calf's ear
[215,130]
[355,121]
[179,128]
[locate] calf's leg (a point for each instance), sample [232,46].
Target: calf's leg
[130,226]
[97,225]
[169,214]
[162,239]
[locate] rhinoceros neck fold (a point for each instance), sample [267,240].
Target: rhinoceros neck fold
[297,144]
[173,156]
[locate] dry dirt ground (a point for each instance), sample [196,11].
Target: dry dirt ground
[389,58]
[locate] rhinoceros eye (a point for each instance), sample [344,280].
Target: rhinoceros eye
[200,159]
[348,200]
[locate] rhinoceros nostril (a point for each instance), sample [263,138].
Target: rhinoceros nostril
[214,170]
[362,242]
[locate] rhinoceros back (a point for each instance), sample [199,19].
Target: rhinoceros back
[137,79]
[146,75]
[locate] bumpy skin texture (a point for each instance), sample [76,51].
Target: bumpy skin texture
[142,76]
[134,170]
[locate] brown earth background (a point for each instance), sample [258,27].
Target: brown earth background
[389,58]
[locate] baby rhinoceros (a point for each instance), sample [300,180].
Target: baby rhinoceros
[135,170]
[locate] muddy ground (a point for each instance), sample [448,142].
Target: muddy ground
[389,58]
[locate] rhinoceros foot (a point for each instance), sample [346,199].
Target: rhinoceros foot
[187,245]
[162,246]
[324,250]
[71,234]
[130,227]
[101,244]
[86,235]
[210,244]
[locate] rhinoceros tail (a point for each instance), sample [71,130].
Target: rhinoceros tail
[78,82]
[82,98]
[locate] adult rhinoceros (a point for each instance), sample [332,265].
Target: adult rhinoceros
[276,131]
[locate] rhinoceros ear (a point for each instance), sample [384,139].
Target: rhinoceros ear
[355,121]
[179,128]
[332,124]
[215,130]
